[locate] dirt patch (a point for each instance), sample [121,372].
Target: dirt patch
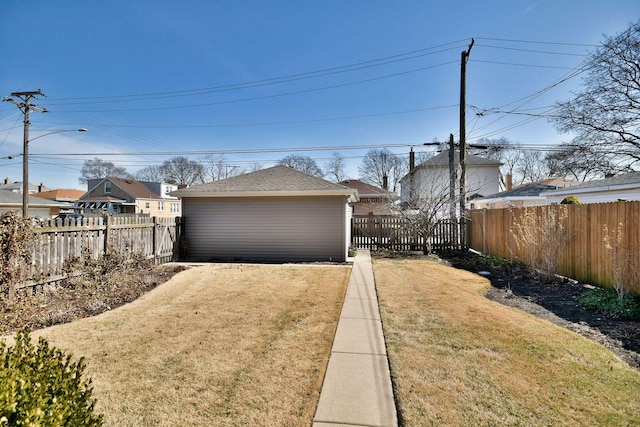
[516,285]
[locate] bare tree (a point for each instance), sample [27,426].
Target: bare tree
[532,168]
[380,163]
[182,171]
[605,114]
[579,163]
[151,173]
[215,168]
[98,168]
[303,164]
[335,168]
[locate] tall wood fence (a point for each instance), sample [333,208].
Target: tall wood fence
[60,241]
[596,238]
[396,233]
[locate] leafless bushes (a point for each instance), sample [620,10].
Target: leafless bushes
[541,236]
[624,263]
[16,247]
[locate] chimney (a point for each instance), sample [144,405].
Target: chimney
[7,181]
[412,160]
[508,182]
[385,182]
[40,188]
[609,175]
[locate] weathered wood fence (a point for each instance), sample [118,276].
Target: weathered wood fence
[598,236]
[60,241]
[397,233]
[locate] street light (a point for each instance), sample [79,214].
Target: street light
[25,167]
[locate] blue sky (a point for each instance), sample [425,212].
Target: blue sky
[156,79]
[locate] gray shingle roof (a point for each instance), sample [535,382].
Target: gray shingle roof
[9,198]
[278,179]
[442,159]
[626,179]
[527,190]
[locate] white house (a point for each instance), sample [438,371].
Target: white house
[432,177]
[621,187]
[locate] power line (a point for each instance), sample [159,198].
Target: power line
[258,98]
[286,78]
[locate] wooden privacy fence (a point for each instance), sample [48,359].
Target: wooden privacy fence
[60,241]
[398,234]
[596,238]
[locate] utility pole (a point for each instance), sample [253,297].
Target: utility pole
[463,143]
[452,179]
[25,106]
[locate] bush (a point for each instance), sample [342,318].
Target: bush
[41,386]
[607,302]
[571,200]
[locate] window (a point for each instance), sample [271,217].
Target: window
[107,187]
[147,205]
[175,208]
[161,206]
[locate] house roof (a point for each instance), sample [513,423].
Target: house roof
[136,189]
[528,190]
[532,189]
[61,194]
[16,187]
[442,160]
[274,181]
[365,189]
[9,198]
[619,182]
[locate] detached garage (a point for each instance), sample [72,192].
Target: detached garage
[275,214]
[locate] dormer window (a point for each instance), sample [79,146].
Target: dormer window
[107,187]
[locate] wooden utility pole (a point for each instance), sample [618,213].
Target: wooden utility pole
[25,106]
[463,118]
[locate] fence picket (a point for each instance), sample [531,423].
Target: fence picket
[397,234]
[61,241]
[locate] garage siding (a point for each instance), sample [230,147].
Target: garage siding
[266,228]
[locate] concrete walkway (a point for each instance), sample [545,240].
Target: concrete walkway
[357,387]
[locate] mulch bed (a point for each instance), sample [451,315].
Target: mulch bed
[516,285]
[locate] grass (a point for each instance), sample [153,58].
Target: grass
[458,358]
[222,345]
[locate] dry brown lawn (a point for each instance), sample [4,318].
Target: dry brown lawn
[222,345]
[458,358]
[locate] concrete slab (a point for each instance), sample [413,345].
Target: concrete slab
[359,394]
[358,308]
[359,336]
[361,292]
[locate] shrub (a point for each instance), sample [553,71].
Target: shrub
[16,245]
[540,234]
[607,302]
[571,200]
[41,386]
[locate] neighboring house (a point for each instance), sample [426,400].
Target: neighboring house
[373,201]
[16,187]
[61,195]
[432,177]
[274,214]
[38,207]
[127,196]
[621,187]
[523,195]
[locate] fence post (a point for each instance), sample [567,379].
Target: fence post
[107,233]
[154,239]
[484,231]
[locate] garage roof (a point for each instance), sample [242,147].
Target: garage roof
[274,181]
